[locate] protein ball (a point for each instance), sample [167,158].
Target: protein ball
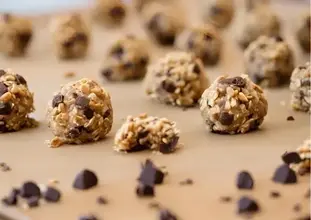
[233,105]
[71,36]
[15,35]
[259,19]
[147,132]
[203,41]
[80,112]
[109,12]
[300,88]
[16,102]
[217,12]
[127,59]
[162,23]
[303,31]
[176,79]
[269,61]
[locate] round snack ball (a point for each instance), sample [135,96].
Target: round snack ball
[177,79]
[269,61]
[233,105]
[70,35]
[163,23]
[303,32]
[127,59]
[80,112]
[16,102]
[218,12]
[203,41]
[258,20]
[147,132]
[109,12]
[300,88]
[15,35]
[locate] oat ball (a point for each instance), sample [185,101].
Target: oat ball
[127,59]
[300,87]
[303,31]
[71,36]
[162,23]
[233,105]
[16,102]
[15,35]
[80,112]
[147,132]
[109,12]
[269,61]
[203,41]
[258,20]
[217,12]
[305,154]
[176,79]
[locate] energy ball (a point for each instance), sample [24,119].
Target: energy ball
[109,12]
[303,32]
[162,23]
[147,132]
[218,12]
[80,112]
[127,59]
[203,41]
[300,88]
[16,102]
[269,61]
[71,36]
[233,105]
[177,79]
[15,35]
[258,20]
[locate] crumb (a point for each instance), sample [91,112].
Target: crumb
[69,74]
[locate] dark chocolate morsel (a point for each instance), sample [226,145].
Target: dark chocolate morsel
[75,132]
[168,86]
[2,72]
[225,199]
[88,217]
[128,65]
[68,43]
[297,207]
[187,181]
[107,73]
[142,134]
[306,82]
[244,180]
[117,12]
[144,61]
[153,23]
[279,39]
[101,200]
[5,108]
[150,174]
[247,205]
[52,195]
[11,200]
[88,112]
[24,39]
[138,148]
[169,147]
[143,190]
[274,194]
[33,201]
[285,175]
[197,69]
[207,37]
[3,127]
[226,118]
[290,118]
[291,157]
[82,102]
[117,51]
[107,113]
[166,214]
[85,179]
[20,79]
[3,88]
[57,100]
[30,189]
[165,39]
[236,81]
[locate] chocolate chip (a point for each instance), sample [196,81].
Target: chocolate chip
[187,181]
[144,61]
[306,217]
[11,200]
[142,134]
[275,194]
[168,86]
[244,180]
[225,199]
[297,207]
[82,102]
[33,202]
[138,148]
[226,118]
[235,81]
[153,23]
[101,200]
[197,69]
[207,37]
[5,108]
[247,205]
[107,73]
[154,205]
[117,51]
[3,88]
[166,214]
[107,114]
[165,39]
[303,170]
[88,217]
[117,12]
[24,39]
[57,100]
[2,72]
[20,79]
[128,65]
[306,82]
[85,179]
[144,190]
[5,167]
[88,112]
[75,132]
[3,127]
[291,157]
[169,147]
[150,174]
[68,43]
[30,189]
[52,194]
[279,39]
[290,118]
[284,174]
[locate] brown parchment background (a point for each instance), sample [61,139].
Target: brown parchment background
[211,160]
